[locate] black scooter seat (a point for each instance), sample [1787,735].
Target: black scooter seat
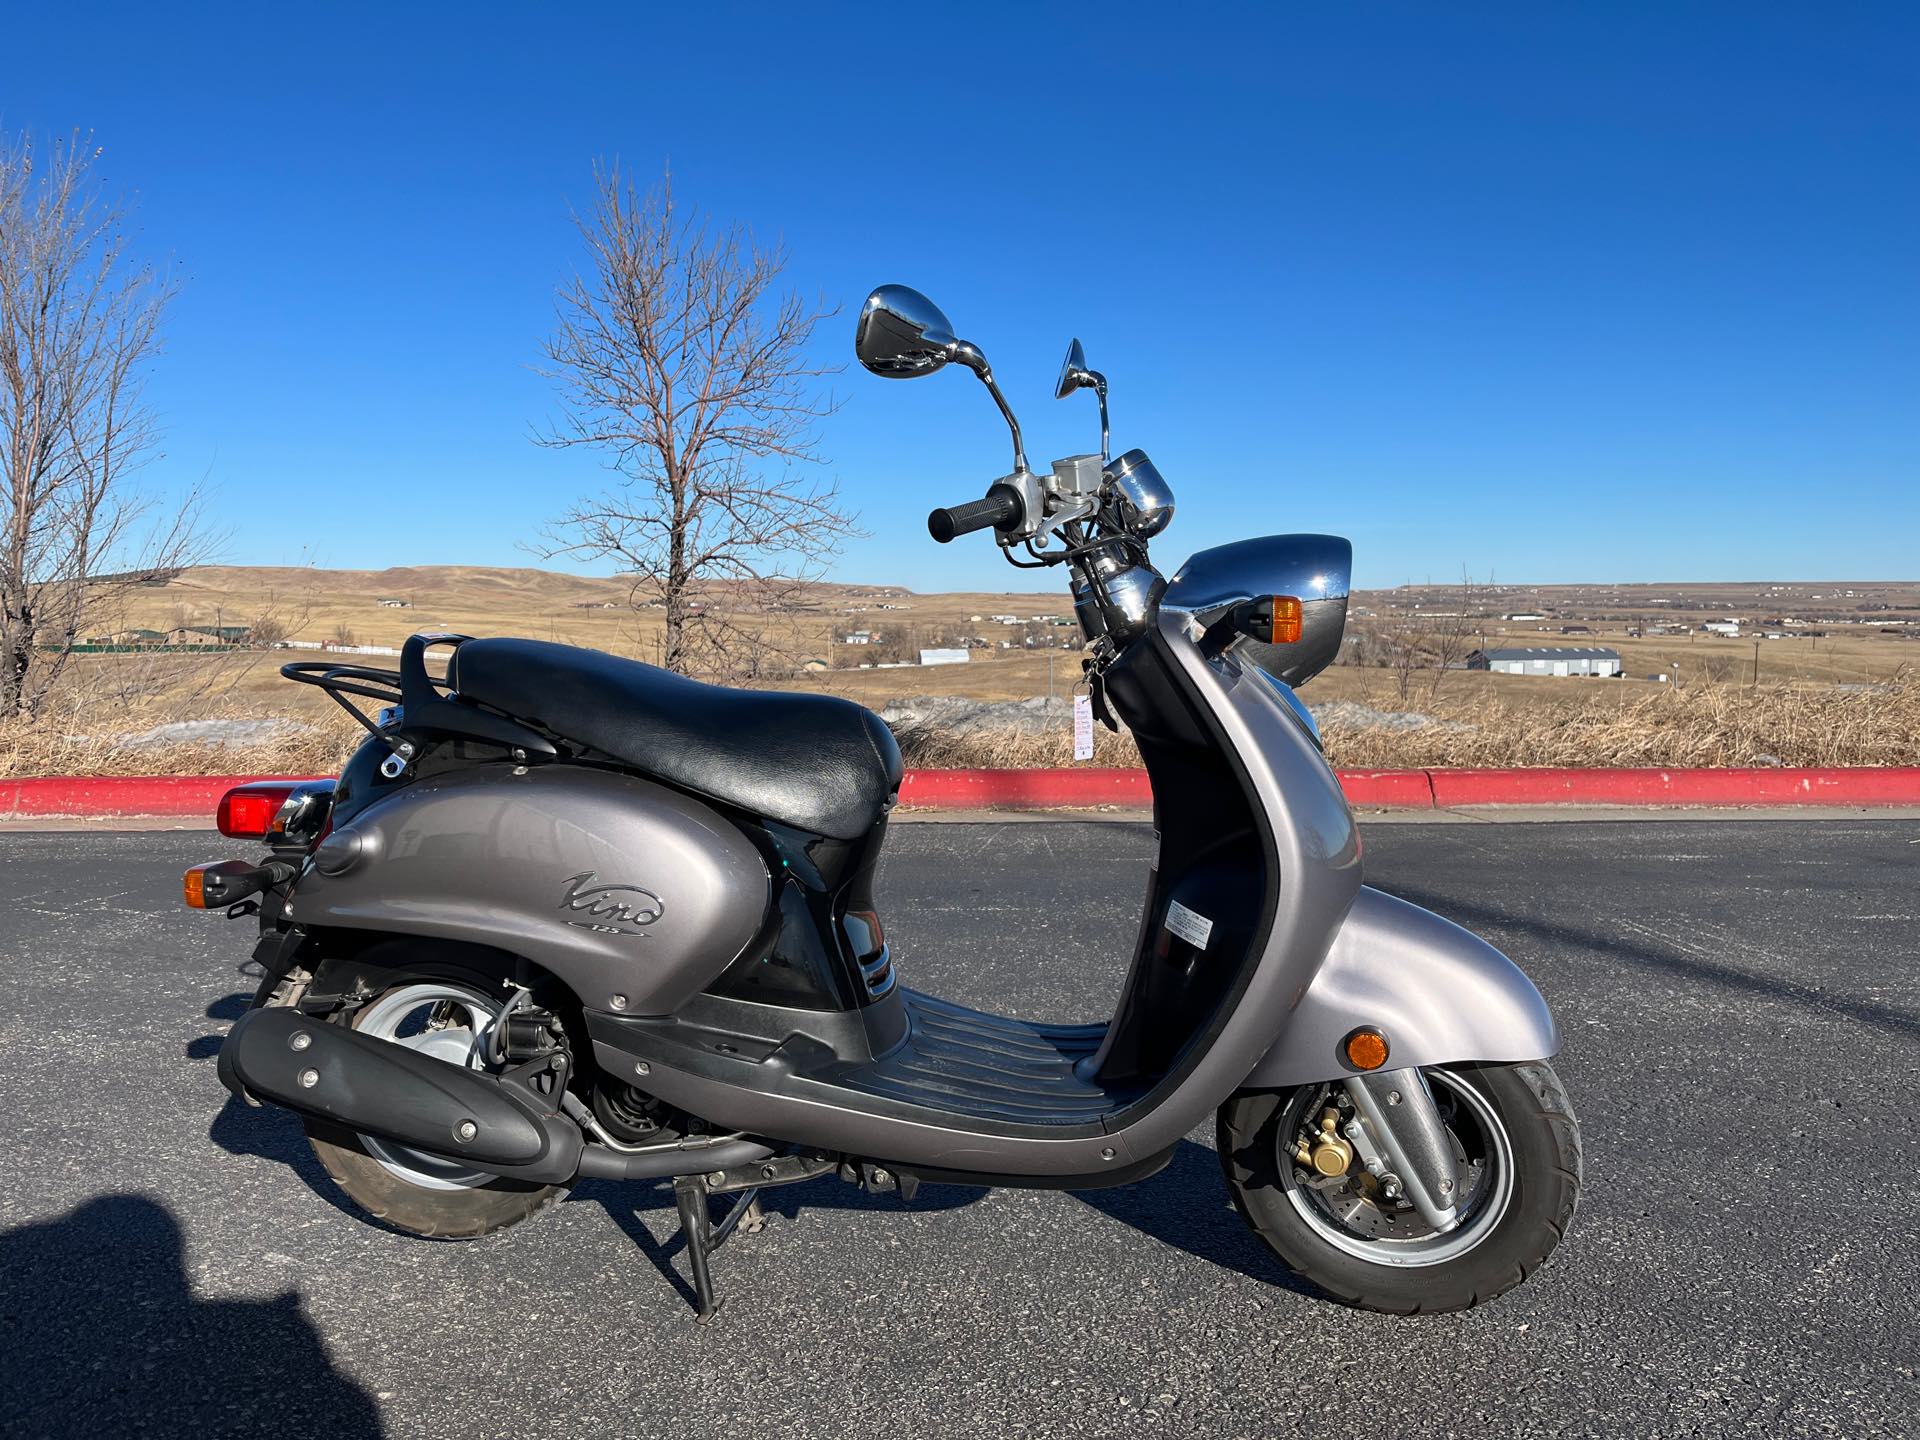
[815,762]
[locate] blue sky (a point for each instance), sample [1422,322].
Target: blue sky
[1557,292]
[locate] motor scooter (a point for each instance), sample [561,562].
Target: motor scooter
[564,915]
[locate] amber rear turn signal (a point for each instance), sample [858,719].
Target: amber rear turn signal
[1366,1049]
[227,882]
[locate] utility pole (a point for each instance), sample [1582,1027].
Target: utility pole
[1756,662]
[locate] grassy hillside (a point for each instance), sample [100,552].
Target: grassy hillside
[1838,699]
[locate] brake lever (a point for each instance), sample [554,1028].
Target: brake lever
[1070,513]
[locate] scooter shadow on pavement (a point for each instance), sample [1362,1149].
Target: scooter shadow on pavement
[265,1131]
[1186,1206]
[230,1007]
[105,1336]
[630,1203]
[271,1133]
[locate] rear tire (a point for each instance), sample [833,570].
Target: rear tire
[409,1191]
[465,1214]
[1539,1142]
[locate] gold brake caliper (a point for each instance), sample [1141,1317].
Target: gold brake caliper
[1326,1152]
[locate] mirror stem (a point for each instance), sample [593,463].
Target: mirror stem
[1100,394]
[1019,448]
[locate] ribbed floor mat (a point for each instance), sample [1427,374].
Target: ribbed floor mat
[971,1063]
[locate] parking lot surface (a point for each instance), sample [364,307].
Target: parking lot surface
[1740,1003]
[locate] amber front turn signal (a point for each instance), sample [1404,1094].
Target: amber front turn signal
[194,884]
[1270,619]
[1366,1049]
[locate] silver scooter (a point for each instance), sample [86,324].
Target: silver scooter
[565,915]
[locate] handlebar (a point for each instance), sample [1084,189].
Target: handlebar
[1001,507]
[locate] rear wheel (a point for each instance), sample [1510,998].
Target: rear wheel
[1517,1177]
[409,1189]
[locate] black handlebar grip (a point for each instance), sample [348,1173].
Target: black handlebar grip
[1001,507]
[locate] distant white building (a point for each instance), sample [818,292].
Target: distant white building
[1547,660]
[1729,628]
[943,657]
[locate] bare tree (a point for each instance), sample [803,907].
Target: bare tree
[1409,642]
[1453,638]
[79,325]
[677,357]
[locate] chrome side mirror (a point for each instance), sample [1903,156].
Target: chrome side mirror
[901,333]
[1074,375]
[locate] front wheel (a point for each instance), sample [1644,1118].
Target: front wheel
[1517,1156]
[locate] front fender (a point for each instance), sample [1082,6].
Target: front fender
[1440,994]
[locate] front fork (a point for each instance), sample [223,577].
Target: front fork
[1402,1142]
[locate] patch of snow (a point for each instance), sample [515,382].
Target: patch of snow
[234,733]
[954,715]
[1352,715]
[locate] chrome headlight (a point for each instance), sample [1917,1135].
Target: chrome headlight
[1140,494]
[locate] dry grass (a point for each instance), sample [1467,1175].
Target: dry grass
[1668,726]
[1486,720]
[40,750]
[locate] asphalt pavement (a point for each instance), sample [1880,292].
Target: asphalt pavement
[1741,1007]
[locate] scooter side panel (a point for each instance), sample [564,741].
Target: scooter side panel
[1440,994]
[619,886]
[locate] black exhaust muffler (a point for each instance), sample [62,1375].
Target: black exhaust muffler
[399,1094]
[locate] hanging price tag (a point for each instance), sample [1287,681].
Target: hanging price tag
[1083,727]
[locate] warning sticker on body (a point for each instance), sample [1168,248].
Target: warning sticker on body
[1190,925]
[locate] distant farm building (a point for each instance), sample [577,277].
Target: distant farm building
[394,602]
[943,657]
[210,635]
[131,637]
[1547,660]
[1730,628]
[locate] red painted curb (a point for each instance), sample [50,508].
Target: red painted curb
[1387,789]
[87,795]
[1879,785]
[196,795]
[1024,789]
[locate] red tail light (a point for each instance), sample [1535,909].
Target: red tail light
[248,813]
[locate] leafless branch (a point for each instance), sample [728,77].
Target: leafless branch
[675,356]
[79,326]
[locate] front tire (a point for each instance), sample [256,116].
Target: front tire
[424,1194]
[1518,1147]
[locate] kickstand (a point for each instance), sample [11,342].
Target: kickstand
[690,1193]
